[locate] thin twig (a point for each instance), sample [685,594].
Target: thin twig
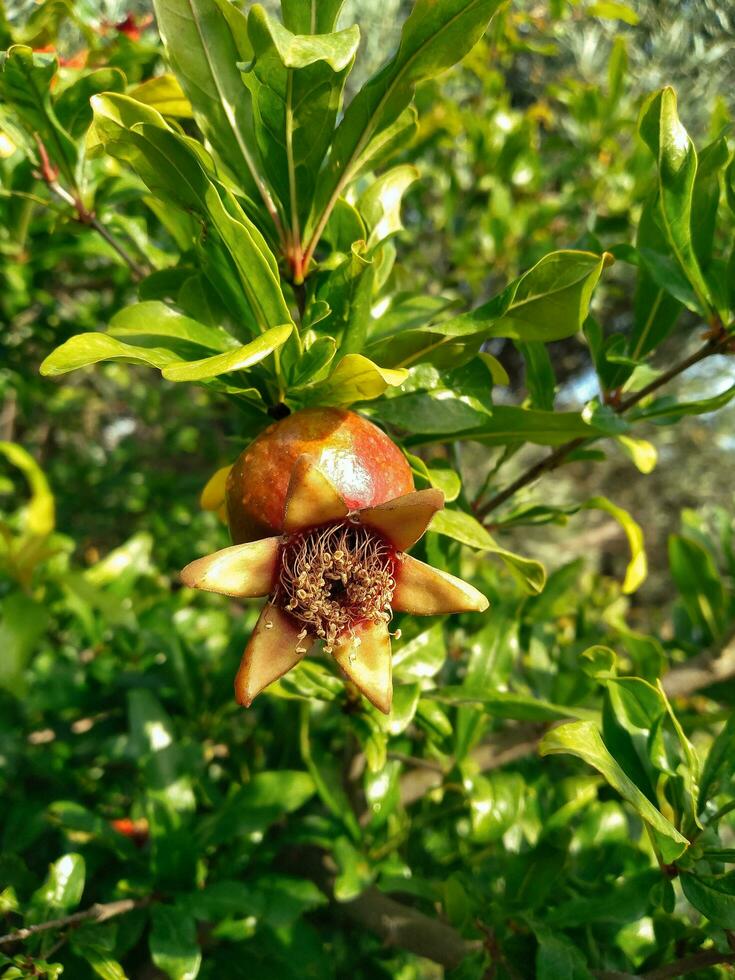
[95,913]
[85,217]
[715,345]
[689,964]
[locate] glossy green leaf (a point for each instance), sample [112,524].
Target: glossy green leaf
[676,160]
[179,170]
[700,585]
[153,739]
[625,900]
[25,84]
[204,41]
[249,810]
[164,94]
[496,804]
[296,84]
[23,622]
[637,569]
[96,945]
[507,425]
[439,474]
[355,378]
[422,656]
[348,292]
[436,35]
[643,453]
[719,764]
[706,198]
[656,310]
[582,739]
[354,874]
[380,204]
[549,302]
[713,896]
[72,107]
[39,515]
[613,10]
[464,527]
[311,16]
[91,348]
[324,771]
[234,360]
[667,410]
[509,704]
[62,890]
[173,943]
[155,320]
[557,956]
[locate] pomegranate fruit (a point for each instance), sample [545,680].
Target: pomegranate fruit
[357,457]
[322,509]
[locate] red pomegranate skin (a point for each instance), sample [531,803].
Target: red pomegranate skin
[356,456]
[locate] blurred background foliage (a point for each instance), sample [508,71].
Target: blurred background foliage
[125,766]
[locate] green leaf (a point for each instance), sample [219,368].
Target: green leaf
[507,425]
[348,292]
[496,804]
[443,410]
[327,778]
[549,302]
[204,41]
[311,16]
[22,624]
[234,360]
[173,943]
[154,320]
[557,956]
[95,944]
[667,410]
[637,570]
[655,309]
[706,198]
[422,656]
[464,527]
[643,453]
[250,809]
[439,474]
[25,84]
[713,896]
[62,890]
[540,377]
[355,872]
[91,348]
[39,516]
[436,35]
[296,84]
[719,763]
[164,94]
[624,900]
[355,378]
[509,704]
[676,160]
[613,10]
[700,585]
[179,170]
[582,739]
[380,204]
[153,740]
[72,106]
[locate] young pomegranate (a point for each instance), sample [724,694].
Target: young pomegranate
[322,508]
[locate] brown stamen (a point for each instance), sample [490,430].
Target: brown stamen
[335,577]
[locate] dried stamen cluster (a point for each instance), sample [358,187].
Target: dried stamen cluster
[336,577]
